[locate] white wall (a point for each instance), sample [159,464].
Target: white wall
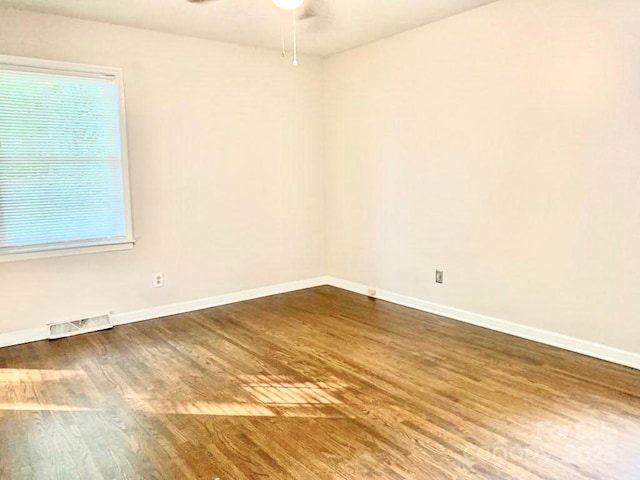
[503,146]
[500,145]
[225,147]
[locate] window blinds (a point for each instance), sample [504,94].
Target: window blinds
[61,166]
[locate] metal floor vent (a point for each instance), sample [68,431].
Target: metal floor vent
[86,325]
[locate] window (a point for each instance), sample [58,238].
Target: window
[63,165]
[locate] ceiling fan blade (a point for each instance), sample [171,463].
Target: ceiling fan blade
[199,1]
[308,11]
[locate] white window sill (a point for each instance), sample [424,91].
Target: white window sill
[58,251]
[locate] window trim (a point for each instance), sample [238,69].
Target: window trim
[79,247]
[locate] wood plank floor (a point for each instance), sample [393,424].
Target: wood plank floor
[315,384]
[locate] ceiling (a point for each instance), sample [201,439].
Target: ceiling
[340,24]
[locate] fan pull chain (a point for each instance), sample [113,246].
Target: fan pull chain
[295,39]
[284,49]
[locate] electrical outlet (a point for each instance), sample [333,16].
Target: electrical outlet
[372,292]
[158,279]
[439,276]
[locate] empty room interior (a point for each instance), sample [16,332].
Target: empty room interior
[320,239]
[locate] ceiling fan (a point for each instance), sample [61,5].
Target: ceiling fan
[302,10]
[308,8]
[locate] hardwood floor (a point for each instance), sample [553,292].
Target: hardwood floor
[315,384]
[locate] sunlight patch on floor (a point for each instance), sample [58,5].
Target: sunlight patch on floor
[35,375]
[266,396]
[44,407]
[165,407]
[290,395]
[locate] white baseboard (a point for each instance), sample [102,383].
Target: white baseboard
[24,336]
[585,347]
[217,301]
[547,337]
[42,333]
